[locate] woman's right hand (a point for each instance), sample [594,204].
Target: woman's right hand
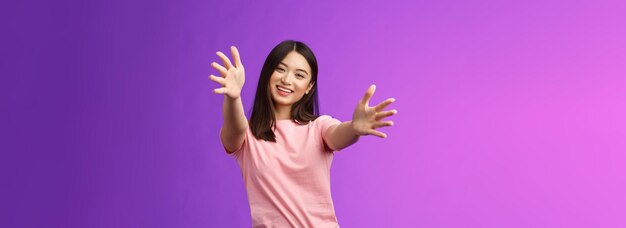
[232,77]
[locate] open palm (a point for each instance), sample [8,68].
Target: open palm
[232,76]
[366,119]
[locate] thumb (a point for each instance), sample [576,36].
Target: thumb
[368,95]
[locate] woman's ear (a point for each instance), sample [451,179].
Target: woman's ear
[310,87]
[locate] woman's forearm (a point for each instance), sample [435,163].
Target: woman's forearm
[235,122]
[342,136]
[233,131]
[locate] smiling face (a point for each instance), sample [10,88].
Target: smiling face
[291,80]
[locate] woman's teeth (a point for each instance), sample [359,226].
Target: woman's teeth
[284,90]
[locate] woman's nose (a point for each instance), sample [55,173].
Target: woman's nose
[286,79]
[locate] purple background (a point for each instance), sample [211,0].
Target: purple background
[511,114]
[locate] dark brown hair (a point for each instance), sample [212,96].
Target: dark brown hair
[263,119]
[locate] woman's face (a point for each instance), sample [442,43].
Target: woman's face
[290,80]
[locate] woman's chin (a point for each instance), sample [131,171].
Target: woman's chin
[281,101]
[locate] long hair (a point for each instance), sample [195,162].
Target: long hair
[263,119]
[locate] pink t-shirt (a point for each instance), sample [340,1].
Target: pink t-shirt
[288,181]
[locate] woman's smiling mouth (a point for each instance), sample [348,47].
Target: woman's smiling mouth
[283,91]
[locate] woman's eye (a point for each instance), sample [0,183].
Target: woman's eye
[299,76]
[280,70]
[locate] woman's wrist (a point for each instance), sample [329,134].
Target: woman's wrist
[353,128]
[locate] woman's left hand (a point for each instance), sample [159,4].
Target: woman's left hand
[366,119]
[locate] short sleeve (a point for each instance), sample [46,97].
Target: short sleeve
[238,151]
[323,123]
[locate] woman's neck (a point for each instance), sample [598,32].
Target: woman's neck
[282,112]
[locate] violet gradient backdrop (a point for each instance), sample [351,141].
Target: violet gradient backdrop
[511,114]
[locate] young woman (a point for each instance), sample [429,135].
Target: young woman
[286,149]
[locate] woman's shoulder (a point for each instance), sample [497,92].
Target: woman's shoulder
[325,121]
[323,117]
[320,119]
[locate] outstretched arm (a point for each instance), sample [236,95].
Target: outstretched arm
[232,79]
[364,122]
